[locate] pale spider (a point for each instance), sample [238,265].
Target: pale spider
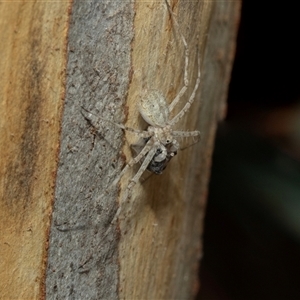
[160,140]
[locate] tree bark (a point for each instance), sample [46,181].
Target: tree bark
[116,50]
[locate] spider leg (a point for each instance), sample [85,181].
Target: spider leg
[135,179]
[143,167]
[90,116]
[148,148]
[186,53]
[135,160]
[192,97]
[186,133]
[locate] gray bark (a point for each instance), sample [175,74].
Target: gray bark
[83,261]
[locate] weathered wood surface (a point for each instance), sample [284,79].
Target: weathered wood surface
[116,50]
[32,84]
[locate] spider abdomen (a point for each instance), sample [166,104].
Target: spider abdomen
[154,109]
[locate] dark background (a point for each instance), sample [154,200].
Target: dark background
[252,225]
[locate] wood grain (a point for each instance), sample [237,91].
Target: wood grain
[32,80]
[160,232]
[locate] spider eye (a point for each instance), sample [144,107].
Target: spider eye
[168,141]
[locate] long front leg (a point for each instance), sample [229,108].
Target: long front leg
[135,160]
[134,180]
[143,167]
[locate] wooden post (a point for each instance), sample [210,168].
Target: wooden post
[115,51]
[32,65]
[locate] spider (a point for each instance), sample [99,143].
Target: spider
[160,140]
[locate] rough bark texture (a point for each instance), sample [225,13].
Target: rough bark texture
[83,259]
[32,82]
[116,51]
